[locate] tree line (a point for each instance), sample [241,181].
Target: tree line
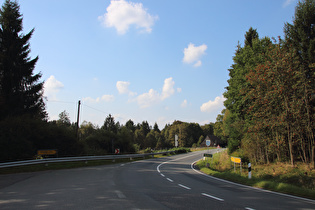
[132,137]
[269,109]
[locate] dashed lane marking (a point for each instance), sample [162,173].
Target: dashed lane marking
[120,194]
[210,196]
[183,186]
[169,180]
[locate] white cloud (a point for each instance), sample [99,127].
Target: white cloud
[168,88]
[179,90]
[193,54]
[197,64]
[123,88]
[288,2]
[184,104]
[106,98]
[121,14]
[148,99]
[211,106]
[51,87]
[152,97]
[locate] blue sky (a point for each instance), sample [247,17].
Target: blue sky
[158,61]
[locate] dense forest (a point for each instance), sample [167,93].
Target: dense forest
[21,137]
[269,110]
[270,102]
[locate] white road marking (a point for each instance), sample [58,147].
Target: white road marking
[122,164]
[210,196]
[169,180]
[249,187]
[183,186]
[162,175]
[120,194]
[158,167]
[249,208]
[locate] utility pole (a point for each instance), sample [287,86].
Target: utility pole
[79,103]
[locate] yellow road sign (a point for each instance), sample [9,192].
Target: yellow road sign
[47,152]
[236,159]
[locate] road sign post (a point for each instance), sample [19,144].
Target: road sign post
[176,140]
[237,160]
[249,170]
[207,155]
[208,142]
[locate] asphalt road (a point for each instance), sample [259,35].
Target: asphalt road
[163,183]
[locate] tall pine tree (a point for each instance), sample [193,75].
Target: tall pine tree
[21,92]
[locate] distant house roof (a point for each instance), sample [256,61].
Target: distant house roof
[214,141]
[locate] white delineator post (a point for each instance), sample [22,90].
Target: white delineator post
[249,170]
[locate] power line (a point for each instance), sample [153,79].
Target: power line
[94,108]
[65,102]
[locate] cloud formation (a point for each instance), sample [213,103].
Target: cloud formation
[184,104]
[168,88]
[152,97]
[122,14]
[123,88]
[51,87]
[106,98]
[193,54]
[288,2]
[212,106]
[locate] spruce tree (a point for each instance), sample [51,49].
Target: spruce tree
[21,92]
[250,35]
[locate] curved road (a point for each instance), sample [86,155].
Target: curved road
[163,183]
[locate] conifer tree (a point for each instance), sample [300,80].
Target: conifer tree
[21,92]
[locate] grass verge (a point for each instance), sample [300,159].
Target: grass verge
[278,177]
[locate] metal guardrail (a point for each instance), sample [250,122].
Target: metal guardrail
[81,158]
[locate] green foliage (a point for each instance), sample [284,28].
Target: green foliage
[270,100]
[201,139]
[278,177]
[130,125]
[233,127]
[250,36]
[207,129]
[300,36]
[20,90]
[64,119]
[110,125]
[32,135]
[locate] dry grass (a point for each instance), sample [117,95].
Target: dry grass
[301,175]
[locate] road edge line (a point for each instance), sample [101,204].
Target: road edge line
[250,187]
